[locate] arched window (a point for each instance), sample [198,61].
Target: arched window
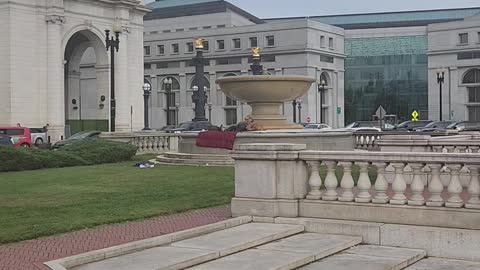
[175,83]
[169,85]
[324,77]
[472,76]
[194,82]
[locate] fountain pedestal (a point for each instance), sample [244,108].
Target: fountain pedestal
[269,116]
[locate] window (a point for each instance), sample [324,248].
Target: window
[236,43]
[206,45]
[175,85]
[193,28]
[322,41]
[221,26]
[154,32]
[220,44]
[146,50]
[326,59]
[229,61]
[478,37]
[147,66]
[472,76]
[330,43]
[162,65]
[231,116]
[160,49]
[207,27]
[175,48]
[189,46]
[463,38]
[468,55]
[179,30]
[253,42]
[270,40]
[167,31]
[230,102]
[474,94]
[474,113]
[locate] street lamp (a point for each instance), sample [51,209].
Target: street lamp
[322,86]
[168,88]
[294,111]
[112,44]
[199,97]
[147,89]
[210,112]
[299,111]
[440,81]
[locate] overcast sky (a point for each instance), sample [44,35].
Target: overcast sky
[289,8]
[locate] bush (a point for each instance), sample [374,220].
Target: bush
[80,153]
[101,151]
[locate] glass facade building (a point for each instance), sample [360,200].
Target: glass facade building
[391,72]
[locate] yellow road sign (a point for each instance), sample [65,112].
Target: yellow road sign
[415,116]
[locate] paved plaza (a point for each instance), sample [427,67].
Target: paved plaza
[30,255]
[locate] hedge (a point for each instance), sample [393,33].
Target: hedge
[80,153]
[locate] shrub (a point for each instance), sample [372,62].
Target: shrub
[80,153]
[101,151]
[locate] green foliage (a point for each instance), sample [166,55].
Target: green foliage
[80,153]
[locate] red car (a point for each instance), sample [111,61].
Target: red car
[21,135]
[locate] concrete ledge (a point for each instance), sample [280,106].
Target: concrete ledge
[264,207]
[392,214]
[438,242]
[97,255]
[369,231]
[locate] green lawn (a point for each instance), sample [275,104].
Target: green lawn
[47,202]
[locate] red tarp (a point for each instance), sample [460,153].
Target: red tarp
[216,139]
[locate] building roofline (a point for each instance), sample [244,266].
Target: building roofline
[200,9]
[372,13]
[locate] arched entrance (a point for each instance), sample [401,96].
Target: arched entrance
[86,83]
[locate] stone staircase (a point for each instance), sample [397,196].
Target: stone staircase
[267,246]
[173,158]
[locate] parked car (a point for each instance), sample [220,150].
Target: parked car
[84,135]
[39,135]
[318,126]
[20,135]
[192,126]
[367,126]
[6,140]
[464,125]
[412,125]
[433,126]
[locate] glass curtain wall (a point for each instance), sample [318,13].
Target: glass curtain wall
[391,72]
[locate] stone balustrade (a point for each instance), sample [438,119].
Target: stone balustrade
[415,188]
[147,143]
[419,185]
[367,140]
[426,143]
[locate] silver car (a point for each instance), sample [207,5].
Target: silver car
[39,135]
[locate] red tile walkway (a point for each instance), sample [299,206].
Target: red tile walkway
[30,255]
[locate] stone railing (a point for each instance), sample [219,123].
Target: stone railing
[366,140]
[415,188]
[425,143]
[147,143]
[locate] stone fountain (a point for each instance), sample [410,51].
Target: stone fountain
[266,94]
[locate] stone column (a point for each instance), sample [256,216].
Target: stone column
[55,78]
[103,89]
[185,99]
[269,179]
[122,95]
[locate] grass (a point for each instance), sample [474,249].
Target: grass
[47,202]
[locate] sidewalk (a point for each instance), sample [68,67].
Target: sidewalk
[30,255]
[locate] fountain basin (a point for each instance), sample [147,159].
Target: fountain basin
[266,94]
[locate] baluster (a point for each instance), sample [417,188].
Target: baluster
[363,184]
[454,187]
[347,183]
[331,182]
[398,186]
[136,142]
[315,182]
[417,185]
[474,189]
[149,144]
[435,187]
[381,184]
[156,147]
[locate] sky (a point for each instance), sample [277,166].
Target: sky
[292,8]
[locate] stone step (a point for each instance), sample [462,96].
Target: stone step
[197,250]
[197,156]
[369,257]
[284,254]
[444,264]
[205,162]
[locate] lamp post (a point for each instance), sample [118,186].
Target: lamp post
[299,111]
[199,97]
[294,111]
[440,81]
[321,89]
[112,44]
[176,114]
[210,112]
[147,89]
[168,88]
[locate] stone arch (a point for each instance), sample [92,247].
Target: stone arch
[325,76]
[192,82]
[472,76]
[87,82]
[175,83]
